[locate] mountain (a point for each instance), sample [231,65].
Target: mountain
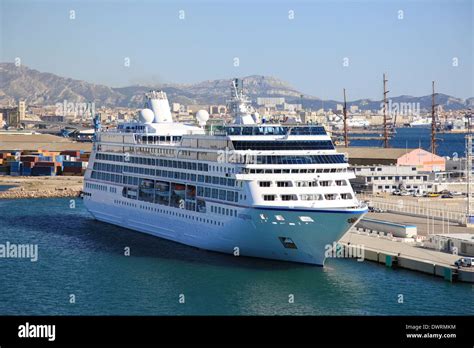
[45,88]
[40,88]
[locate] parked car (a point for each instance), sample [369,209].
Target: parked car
[465,262]
[375,210]
[396,192]
[418,194]
[404,193]
[432,194]
[447,195]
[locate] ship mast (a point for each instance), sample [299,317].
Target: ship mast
[433,120]
[344,110]
[385,123]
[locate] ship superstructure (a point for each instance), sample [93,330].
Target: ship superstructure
[247,188]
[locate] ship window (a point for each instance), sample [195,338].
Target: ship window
[284,145]
[222,195]
[265,183]
[284,183]
[268,197]
[289,198]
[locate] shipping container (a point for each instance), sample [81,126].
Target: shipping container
[72,169]
[29,158]
[45,164]
[72,164]
[25,171]
[42,171]
[71,153]
[15,166]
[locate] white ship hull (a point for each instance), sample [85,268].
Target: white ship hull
[252,235]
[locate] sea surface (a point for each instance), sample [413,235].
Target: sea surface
[6,187]
[448,144]
[82,261]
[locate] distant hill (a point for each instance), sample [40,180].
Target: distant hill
[44,88]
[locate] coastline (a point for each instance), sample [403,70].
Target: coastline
[40,187]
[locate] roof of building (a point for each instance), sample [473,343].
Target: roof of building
[34,142]
[373,152]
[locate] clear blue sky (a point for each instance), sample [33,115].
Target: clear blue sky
[307,51]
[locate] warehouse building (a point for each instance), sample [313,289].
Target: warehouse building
[419,158]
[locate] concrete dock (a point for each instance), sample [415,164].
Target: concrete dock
[425,226]
[395,254]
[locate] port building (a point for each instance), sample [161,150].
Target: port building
[419,158]
[389,178]
[460,243]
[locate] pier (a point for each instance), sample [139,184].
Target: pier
[402,253]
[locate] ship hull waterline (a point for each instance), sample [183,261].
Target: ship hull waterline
[251,234]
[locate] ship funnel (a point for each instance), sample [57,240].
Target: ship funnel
[158,103]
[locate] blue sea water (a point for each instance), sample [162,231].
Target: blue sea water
[6,187]
[448,144]
[85,258]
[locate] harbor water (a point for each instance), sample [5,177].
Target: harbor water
[82,269]
[448,144]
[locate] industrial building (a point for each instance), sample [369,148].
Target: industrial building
[460,243]
[388,178]
[369,156]
[10,115]
[419,158]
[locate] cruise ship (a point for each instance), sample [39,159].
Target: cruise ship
[246,188]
